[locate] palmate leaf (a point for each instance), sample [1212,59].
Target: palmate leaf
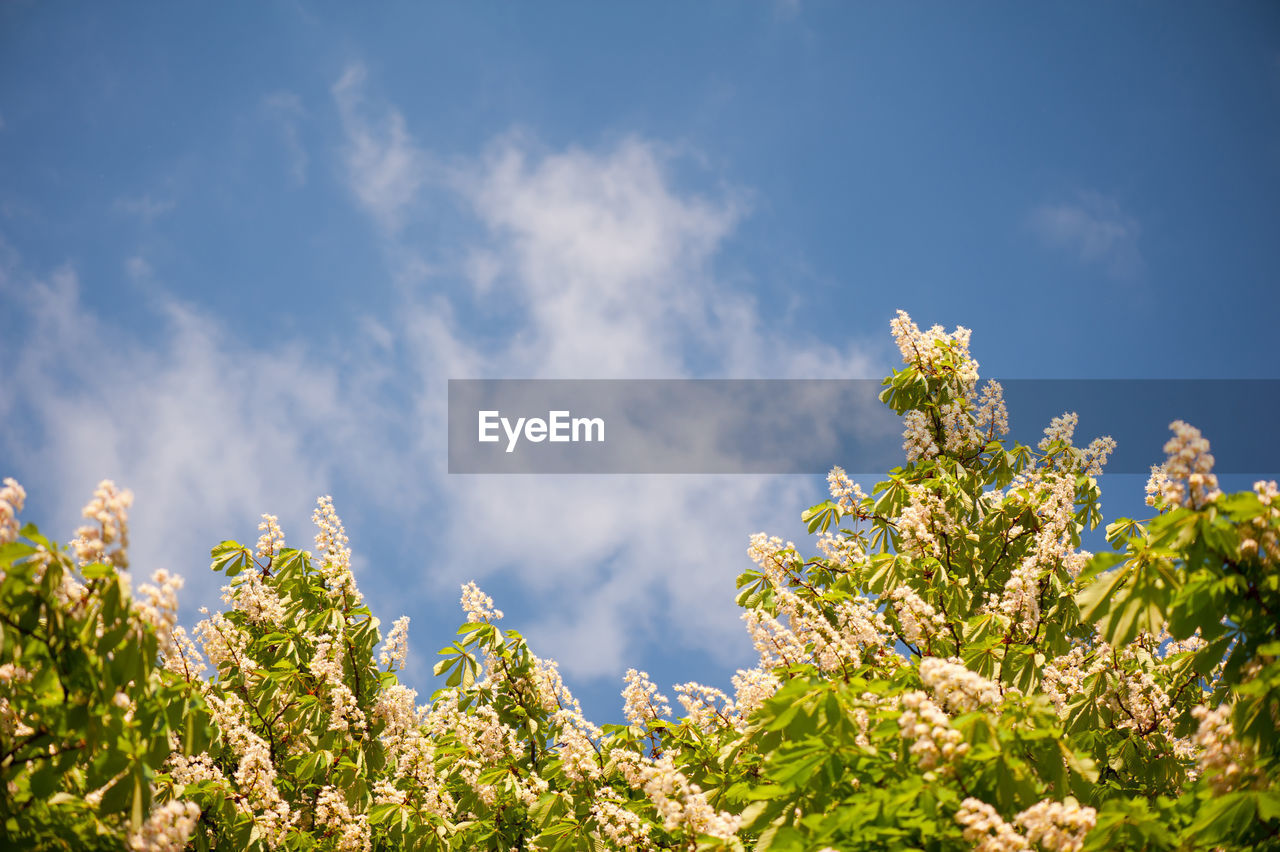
[1130,599]
[230,558]
[819,518]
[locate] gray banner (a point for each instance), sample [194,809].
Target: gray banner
[807,426]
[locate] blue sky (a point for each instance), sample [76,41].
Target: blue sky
[243,247]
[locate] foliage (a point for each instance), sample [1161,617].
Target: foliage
[950,671]
[87,717]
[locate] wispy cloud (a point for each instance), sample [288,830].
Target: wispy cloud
[385,169]
[144,207]
[1095,229]
[183,420]
[605,265]
[610,266]
[138,269]
[285,110]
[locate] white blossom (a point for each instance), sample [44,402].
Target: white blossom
[167,829]
[107,539]
[956,687]
[271,541]
[333,552]
[12,499]
[642,703]
[351,831]
[477,605]
[1188,478]
[984,828]
[681,804]
[397,645]
[917,436]
[847,493]
[933,741]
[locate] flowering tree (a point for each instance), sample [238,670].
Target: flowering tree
[948,671]
[87,715]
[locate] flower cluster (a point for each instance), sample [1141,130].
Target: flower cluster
[334,815]
[194,769]
[106,540]
[642,703]
[926,349]
[157,607]
[706,706]
[1094,456]
[12,498]
[1187,478]
[1060,430]
[397,645]
[257,599]
[1224,762]
[271,541]
[622,827]
[917,436]
[847,493]
[924,524]
[919,620]
[477,605]
[992,416]
[1048,825]
[12,676]
[956,687]
[326,665]
[334,552]
[844,550]
[681,804]
[1057,826]
[1020,600]
[167,829]
[933,741]
[984,828]
[959,431]
[255,775]
[1263,539]
[752,688]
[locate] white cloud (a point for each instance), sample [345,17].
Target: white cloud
[611,266]
[1095,229]
[144,207]
[207,432]
[285,111]
[385,169]
[137,268]
[607,268]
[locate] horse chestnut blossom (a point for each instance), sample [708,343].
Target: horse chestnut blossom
[107,540]
[956,687]
[335,555]
[1187,475]
[642,701]
[919,621]
[478,606]
[917,437]
[271,541]
[928,729]
[847,493]
[12,499]
[167,829]
[950,671]
[397,646]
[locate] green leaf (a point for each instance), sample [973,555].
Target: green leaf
[230,558]
[1224,818]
